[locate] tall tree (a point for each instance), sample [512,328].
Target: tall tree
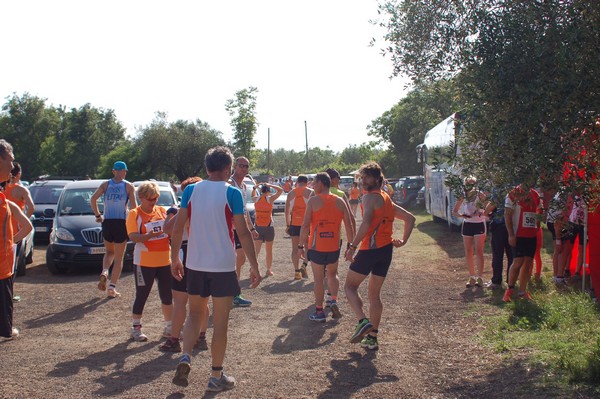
[242,110]
[404,126]
[527,72]
[25,122]
[176,148]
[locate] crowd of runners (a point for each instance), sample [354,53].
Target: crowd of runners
[515,226]
[196,252]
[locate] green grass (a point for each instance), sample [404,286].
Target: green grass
[559,331]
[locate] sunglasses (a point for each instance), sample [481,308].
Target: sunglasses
[154,199]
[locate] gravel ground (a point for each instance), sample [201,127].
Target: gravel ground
[75,342]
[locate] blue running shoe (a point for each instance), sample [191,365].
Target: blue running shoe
[241,302]
[335,310]
[182,372]
[318,316]
[220,384]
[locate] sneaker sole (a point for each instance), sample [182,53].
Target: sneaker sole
[113,295]
[181,375]
[318,320]
[174,349]
[362,333]
[335,312]
[102,283]
[370,347]
[220,388]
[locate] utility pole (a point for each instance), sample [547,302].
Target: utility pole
[268,150]
[306,141]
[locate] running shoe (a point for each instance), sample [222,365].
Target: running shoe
[362,329]
[171,345]
[492,286]
[112,293]
[103,281]
[335,310]
[220,384]
[479,282]
[298,274]
[508,295]
[471,282]
[328,300]
[137,334]
[167,332]
[181,373]
[269,273]
[369,342]
[318,316]
[14,333]
[525,295]
[241,302]
[201,344]
[303,270]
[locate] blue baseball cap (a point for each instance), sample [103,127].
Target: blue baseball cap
[120,165]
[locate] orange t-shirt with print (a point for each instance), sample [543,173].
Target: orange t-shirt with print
[298,207]
[156,251]
[264,209]
[325,225]
[7,256]
[380,231]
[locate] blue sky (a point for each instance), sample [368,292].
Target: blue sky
[310,61]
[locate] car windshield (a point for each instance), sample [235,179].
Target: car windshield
[45,194]
[165,199]
[77,202]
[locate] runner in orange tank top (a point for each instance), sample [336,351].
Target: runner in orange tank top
[295,207]
[18,194]
[9,212]
[375,255]
[264,221]
[354,198]
[320,235]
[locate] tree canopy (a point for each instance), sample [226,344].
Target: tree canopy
[242,111]
[526,74]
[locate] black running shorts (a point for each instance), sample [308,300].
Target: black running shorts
[323,258]
[265,233]
[526,247]
[217,284]
[294,231]
[376,261]
[114,230]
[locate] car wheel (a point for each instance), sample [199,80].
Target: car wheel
[29,258]
[53,266]
[21,265]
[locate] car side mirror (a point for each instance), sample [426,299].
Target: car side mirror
[49,213]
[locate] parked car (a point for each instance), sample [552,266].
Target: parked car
[279,203]
[76,238]
[167,197]
[420,201]
[24,255]
[406,190]
[346,183]
[45,194]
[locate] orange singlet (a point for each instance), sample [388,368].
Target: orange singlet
[325,226]
[21,204]
[263,210]
[298,205]
[354,193]
[380,231]
[7,257]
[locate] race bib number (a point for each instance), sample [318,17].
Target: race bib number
[529,220]
[156,226]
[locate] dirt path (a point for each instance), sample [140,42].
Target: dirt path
[74,342]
